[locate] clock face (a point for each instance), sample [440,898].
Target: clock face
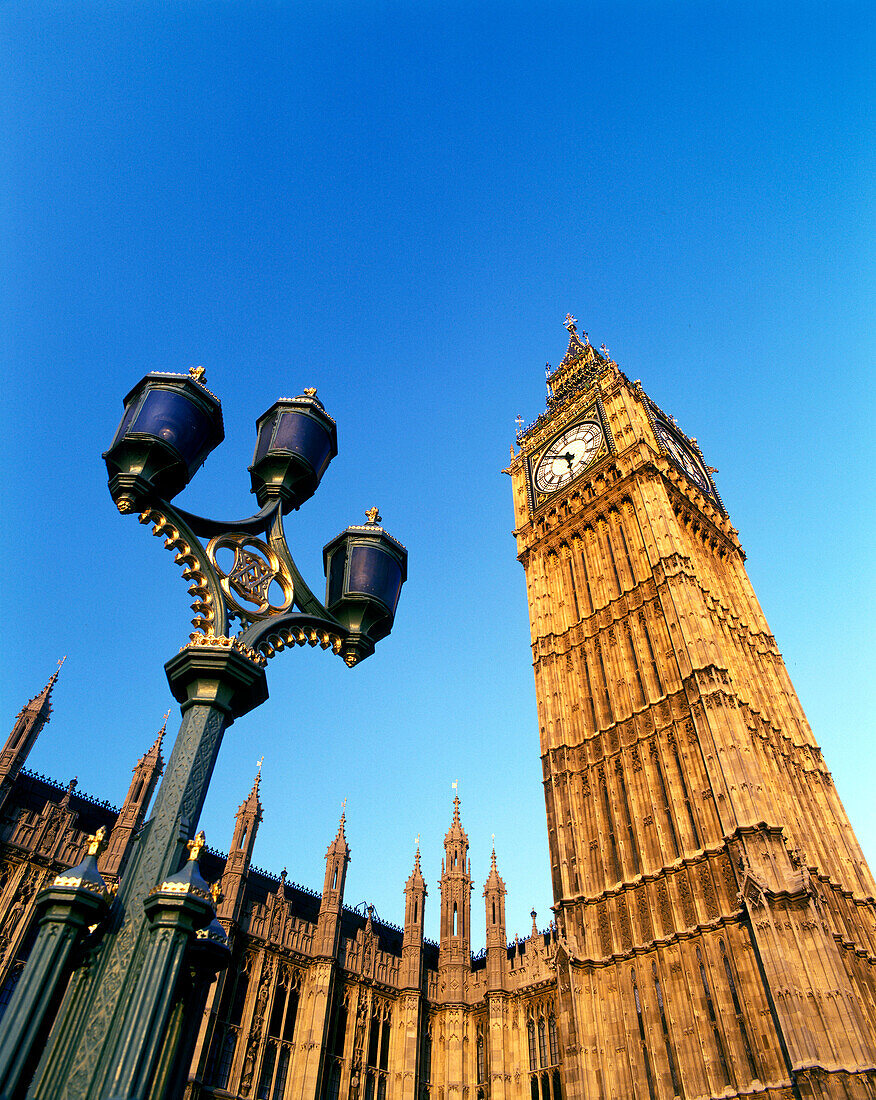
[568,455]
[684,456]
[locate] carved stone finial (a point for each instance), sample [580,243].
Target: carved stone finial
[216,892]
[199,374]
[310,391]
[570,322]
[605,352]
[373,515]
[97,842]
[196,846]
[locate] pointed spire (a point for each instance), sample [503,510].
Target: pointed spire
[416,880]
[253,802]
[456,831]
[494,882]
[578,368]
[339,844]
[578,347]
[153,755]
[42,701]
[533,914]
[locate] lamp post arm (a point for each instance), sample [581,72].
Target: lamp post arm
[305,600]
[253,525]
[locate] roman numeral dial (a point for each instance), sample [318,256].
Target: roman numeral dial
[568,455]
[682,455]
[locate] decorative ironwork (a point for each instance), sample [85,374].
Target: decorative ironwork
[256,568]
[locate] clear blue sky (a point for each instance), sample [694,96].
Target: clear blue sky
[398,203]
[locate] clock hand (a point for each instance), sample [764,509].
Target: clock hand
[568,456]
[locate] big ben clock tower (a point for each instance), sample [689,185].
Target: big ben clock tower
[716,916]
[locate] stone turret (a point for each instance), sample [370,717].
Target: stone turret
[497,951]
[412,942]
[454,954]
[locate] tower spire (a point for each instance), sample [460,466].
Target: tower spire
[578,367]
[146,773]
[28,724]
[337,857]
[246,827]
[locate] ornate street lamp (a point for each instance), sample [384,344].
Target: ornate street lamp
[136,969]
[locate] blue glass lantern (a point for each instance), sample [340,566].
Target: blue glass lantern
[171,423]
[365,568]
[296,440]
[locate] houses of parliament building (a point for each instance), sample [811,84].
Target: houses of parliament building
[714,919]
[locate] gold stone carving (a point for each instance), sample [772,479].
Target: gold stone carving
[246,586]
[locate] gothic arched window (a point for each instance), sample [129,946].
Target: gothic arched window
[542,1047]
[530,1034]
[552,1039]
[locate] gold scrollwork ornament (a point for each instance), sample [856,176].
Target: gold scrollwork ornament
[255,568]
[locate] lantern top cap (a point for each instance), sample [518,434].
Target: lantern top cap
[369,529]
[194,385]
[308,399]
[370,532]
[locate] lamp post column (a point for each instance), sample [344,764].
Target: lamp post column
[216,682]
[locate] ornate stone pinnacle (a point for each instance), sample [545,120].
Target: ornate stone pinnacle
[570,322]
